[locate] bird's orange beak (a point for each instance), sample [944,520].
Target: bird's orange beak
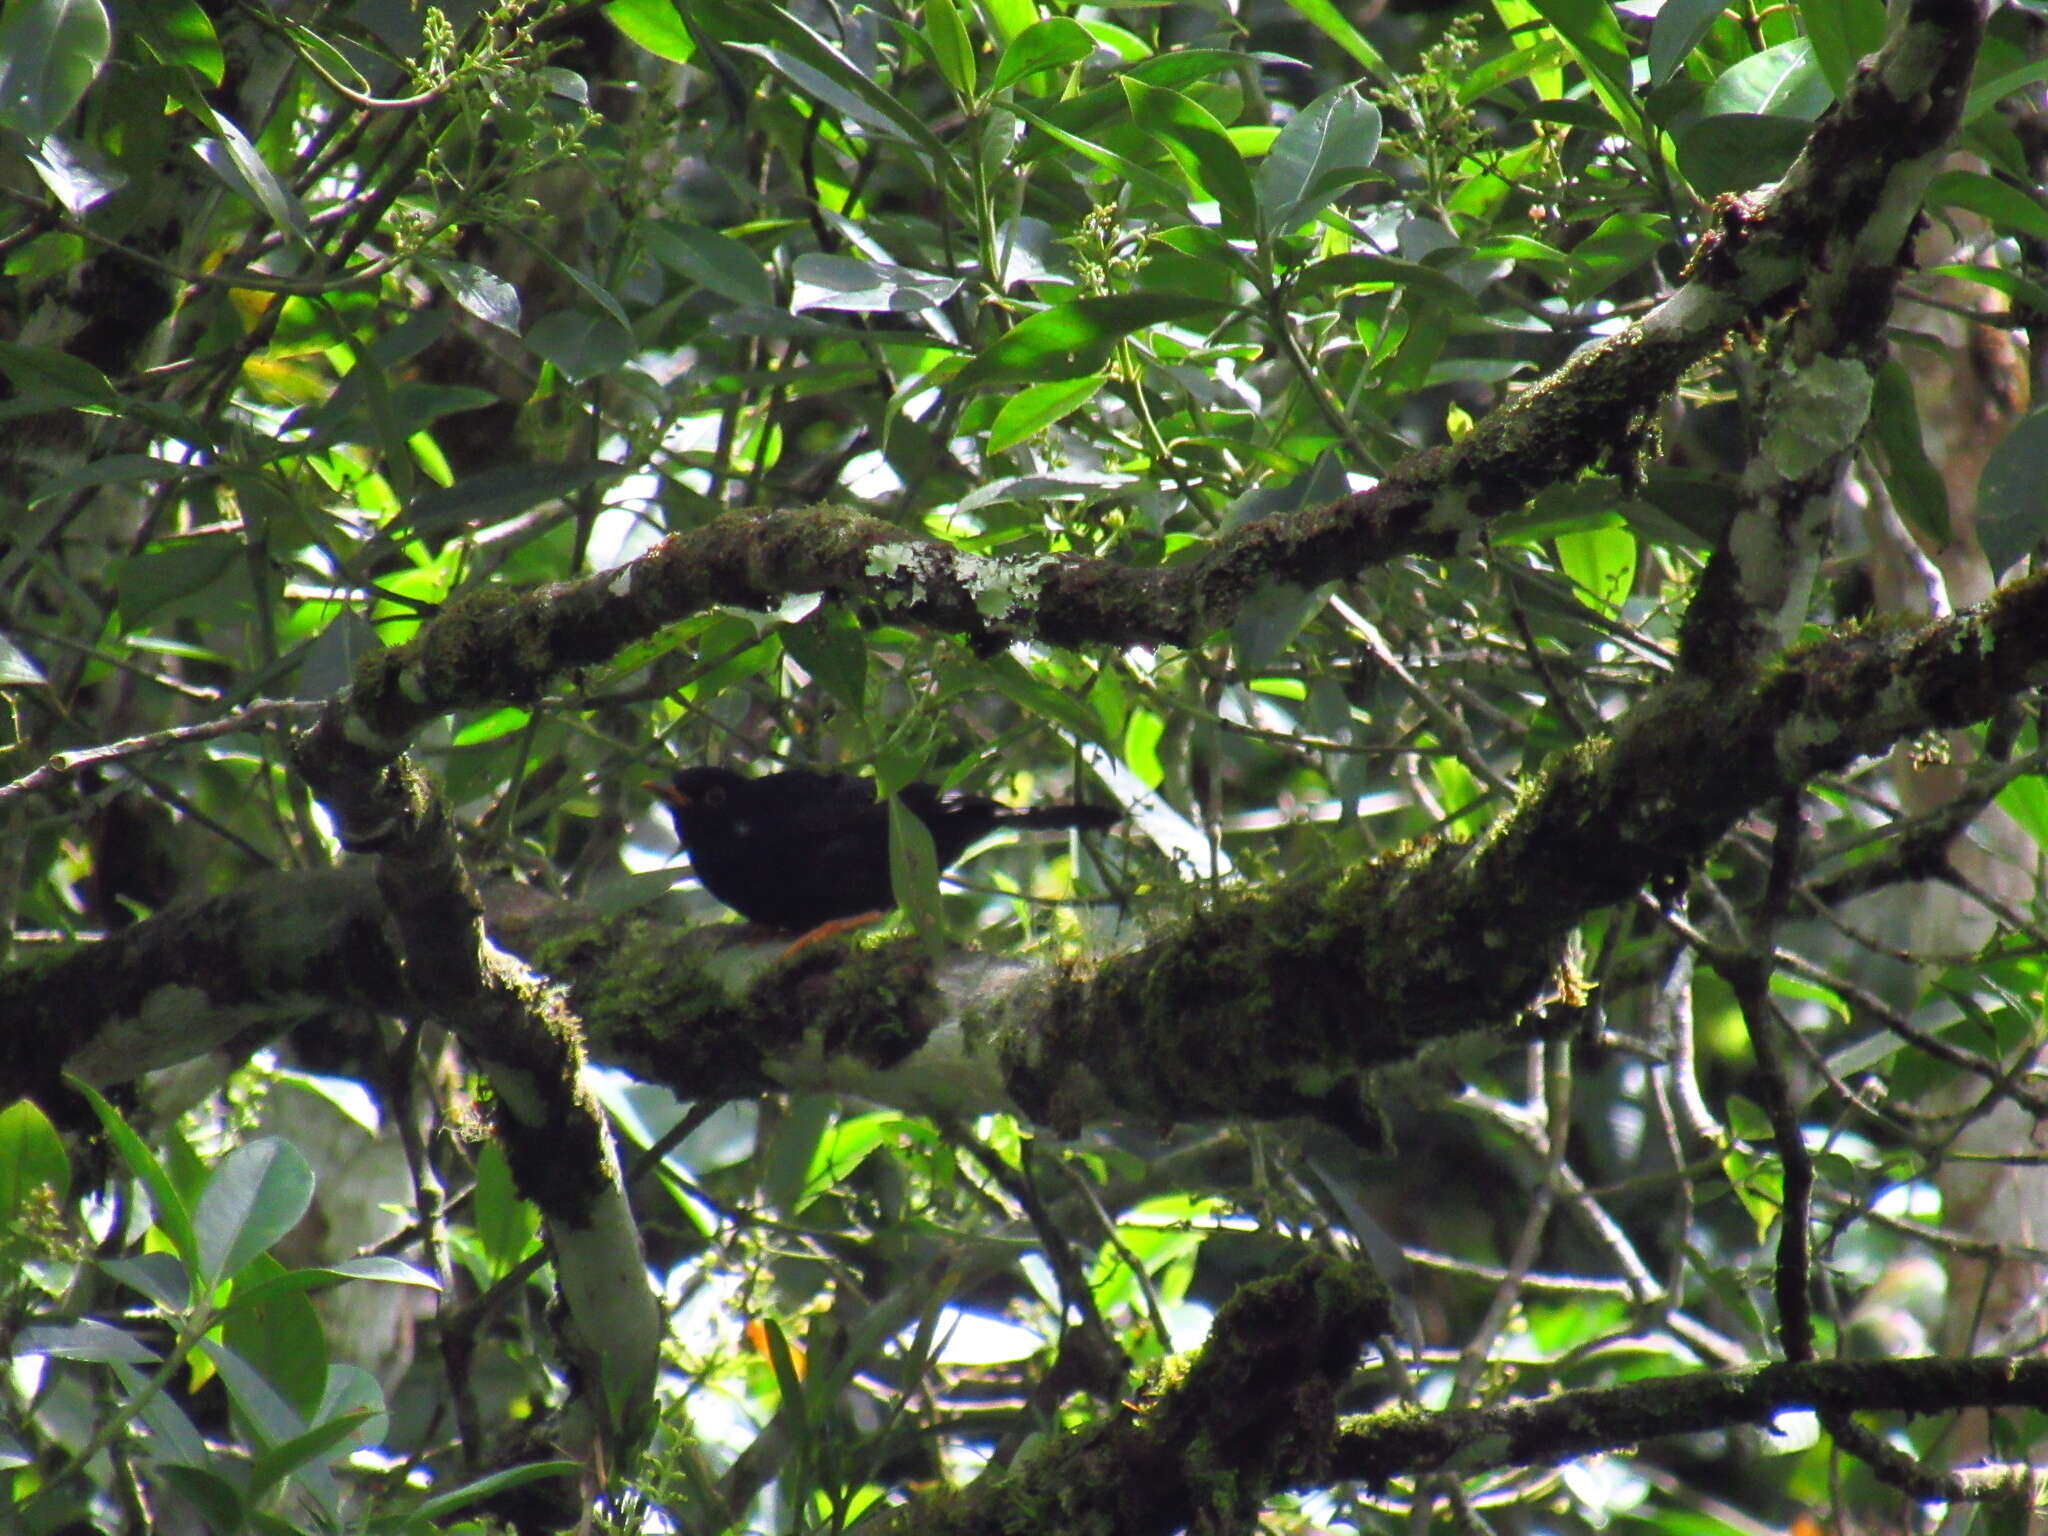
[666,792]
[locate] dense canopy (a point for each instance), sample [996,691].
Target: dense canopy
[1526,512]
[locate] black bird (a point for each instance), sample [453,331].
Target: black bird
[797,849]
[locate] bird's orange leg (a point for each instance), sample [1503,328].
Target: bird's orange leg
[832,930]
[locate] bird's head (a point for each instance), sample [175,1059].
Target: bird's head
[698,798]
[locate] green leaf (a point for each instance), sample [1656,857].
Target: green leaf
[830,647]
[1595,39]
[373,1268]
[1989,93]
[2010,210]
[655,26]
[443,1504]
[58,376]
[914,875]
[501,492]
[87,1339]
[1916,486]
[275,1329]
[1840,33]
[315,1445]
[172,1215]
[256,1195]
[1140,179]
[710,260]
[1076,337]
[1365,273]
[1021,686]
[861,286]
[851,1141]
[1048,44]
[505,1224]
[1677,30]
[50,52]
[1325,148]
[32,1158]
[2012,514]
[2025,800]
[1033,409]
[1331,21]
[1601,563]
[1739,150]
[217,1499]
[1197,143]
[18,669]
[812,64]
[582,345]
[240,166]
[951,47]
[77,175]
[1779,82]
[484,294]
[180,34]
[1623,242]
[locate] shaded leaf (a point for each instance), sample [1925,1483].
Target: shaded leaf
[256,1195]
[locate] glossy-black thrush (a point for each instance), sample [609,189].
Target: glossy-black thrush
[798,849]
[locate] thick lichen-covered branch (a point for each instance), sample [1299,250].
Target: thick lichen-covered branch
[1274,1001]
[515,1032]
[1549,1431]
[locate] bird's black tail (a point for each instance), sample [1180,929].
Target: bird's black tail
[1079,818]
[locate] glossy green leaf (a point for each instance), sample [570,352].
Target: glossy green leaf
[1050,44]
[2008,209]
[951,46]
[1595,39]
[1196,142]
[1677,30]
[1075,338]
[241,167]
[181,34]
[2012,514]
[914,876]
[58,377]
[461,1497]
[859,286]
[580,344]
[1736,151]
[1033,409]
[483,293]
[50,52]
[256,1195]
[2025,800]
[1325,148]
[172,1214]
[1356,270]
[1601,563]
[32,1158]
[18,669]
[1779,82]
[1840,33]
[87,1339]
[829,646]
[275,1329]
[656,26]
[506,1225]
[1916,486]
[725,266]
[1333,23]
